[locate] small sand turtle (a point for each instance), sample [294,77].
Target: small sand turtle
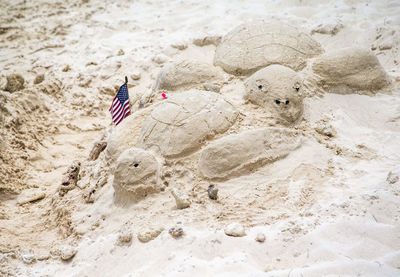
[280,90]
[275,52]
[252,46]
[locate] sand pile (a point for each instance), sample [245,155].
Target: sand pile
[20,135]
[266,149]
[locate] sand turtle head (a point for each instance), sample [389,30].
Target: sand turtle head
[137,174]
[278,89]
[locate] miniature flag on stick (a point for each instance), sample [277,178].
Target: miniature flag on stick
[120,105]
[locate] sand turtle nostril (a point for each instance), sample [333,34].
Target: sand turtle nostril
[297,88]
[277,101]
[287,102]
[260,86]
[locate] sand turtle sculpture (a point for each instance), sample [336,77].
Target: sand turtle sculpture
[182,123]
[280,90]
[271,55]
[252,46]
[137,175]
[275,52]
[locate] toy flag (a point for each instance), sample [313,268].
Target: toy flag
[120,106]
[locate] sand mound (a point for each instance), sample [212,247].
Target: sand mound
[244,152]
[137,175]
[252,46]
[15,82]
[184,121]
[186,74]
[350,70]
[18,142]
[277,89]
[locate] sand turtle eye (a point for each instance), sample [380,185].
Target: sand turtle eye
[277,101]
[135,164]
[260,86]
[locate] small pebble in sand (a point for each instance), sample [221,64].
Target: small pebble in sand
[15,82]
[207,40]
[235,230]
[67,252]
[124,237]
[325,130]
[211,87]
[160,59]
[66,68]
[176,232]
[30,195]
[260,237]
[212,192]
[179,45]
[28,258]
[393,176]
[182,200]
[43,257]
[136,75]
[150,234]
[38,79]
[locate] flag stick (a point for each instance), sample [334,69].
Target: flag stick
[126,80]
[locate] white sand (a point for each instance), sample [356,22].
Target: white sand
[326,209]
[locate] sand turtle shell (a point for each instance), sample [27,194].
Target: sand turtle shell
[252,46]
[181,124]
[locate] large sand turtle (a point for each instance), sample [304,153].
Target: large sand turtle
[272,56]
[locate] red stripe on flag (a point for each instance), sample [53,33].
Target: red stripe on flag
[118,117]
[116,107]
[112,105]
[117,111]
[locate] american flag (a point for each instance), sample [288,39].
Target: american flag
[120,105]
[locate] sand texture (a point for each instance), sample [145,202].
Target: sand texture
[263,139]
